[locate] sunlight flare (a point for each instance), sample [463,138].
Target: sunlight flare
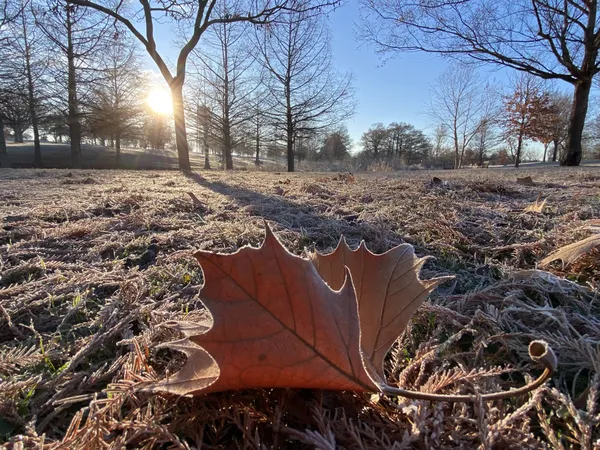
[160,101]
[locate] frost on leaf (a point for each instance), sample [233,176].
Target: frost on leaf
[388,291]
[570,253]
[279,320]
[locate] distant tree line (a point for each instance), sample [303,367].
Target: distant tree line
[547,39]
[478,124]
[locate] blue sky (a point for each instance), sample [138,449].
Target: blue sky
[396,90]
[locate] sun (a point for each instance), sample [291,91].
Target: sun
[160,101]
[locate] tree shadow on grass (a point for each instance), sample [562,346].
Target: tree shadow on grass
[310,220]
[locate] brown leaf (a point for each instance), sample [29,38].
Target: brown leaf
[538,206]
[526,181]
[346,177]
[275,324]
[388,291]
[569,253]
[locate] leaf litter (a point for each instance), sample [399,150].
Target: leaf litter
[81,332]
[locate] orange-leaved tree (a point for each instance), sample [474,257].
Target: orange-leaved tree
[526,113]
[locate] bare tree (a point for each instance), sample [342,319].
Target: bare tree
[460,101]
[14,92]
[398,145]
[9,12]
[593,137]
[227,82]
[560,106]
[486,138]
[373,140]
[336,145]
[407,144]
[116,104]
[29,60]
[204,123]
[201,15]
[306,94]
[14,102]
[440,135]
[550,39]
[14,108]
[77,35]
[258,126]
[157,130]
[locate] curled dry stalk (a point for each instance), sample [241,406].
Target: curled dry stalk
[539,351]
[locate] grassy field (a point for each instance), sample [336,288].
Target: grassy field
[80,318]
[58,156]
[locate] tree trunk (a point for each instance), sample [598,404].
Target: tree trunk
[227,158]
[456,153]
[2,138]
[257,160]
[290,143]
[519,146]
[37,150]
[74,125]
[205,127]
[289,127]
[118,147]
[18,138]
[555,151]
[183,151]
[198,127]
[546,144]
[573,151]
[206,159]
[298,143]
[3,152]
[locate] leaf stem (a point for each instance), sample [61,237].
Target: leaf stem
[539,351]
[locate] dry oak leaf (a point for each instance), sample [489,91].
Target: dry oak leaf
[276,322]
[570,253]
[388,291]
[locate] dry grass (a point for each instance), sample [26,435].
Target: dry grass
[79,328]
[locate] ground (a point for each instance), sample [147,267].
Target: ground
[58,155]
[82,301]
